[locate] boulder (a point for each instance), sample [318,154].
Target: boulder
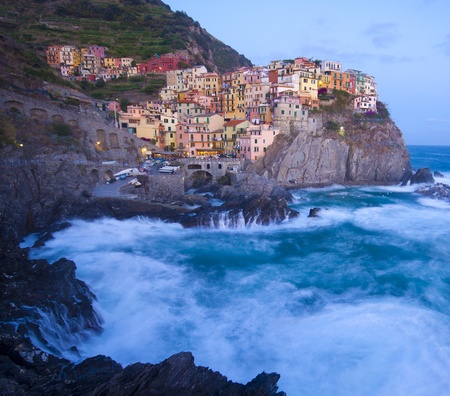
[438,190]
[423,175]
[314,212]
[438,174]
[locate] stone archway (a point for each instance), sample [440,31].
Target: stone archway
[109,174]
[13,104]
[198,179]
[39,114]
[95,175]
[57,118]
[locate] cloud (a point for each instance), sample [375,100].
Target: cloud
[445,45]
[395,59]
[382,35]
[440,120]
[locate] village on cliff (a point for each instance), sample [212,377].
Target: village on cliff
[202,113]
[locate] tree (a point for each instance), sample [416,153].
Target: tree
[100,83]
[124,102]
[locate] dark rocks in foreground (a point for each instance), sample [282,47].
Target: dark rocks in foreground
[26,370]
[35,295]
[33,290]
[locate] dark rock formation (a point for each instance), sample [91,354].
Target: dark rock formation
[438,190]
[27,370]
[314,212]
[36,195]
[36,295]
[259,200]
[438,174]
[423,175]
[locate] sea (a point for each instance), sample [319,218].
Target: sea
[353,302]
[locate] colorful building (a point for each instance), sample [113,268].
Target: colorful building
[254,143]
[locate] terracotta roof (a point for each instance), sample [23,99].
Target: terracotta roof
[234,122]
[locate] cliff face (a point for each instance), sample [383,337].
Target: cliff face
[336,148]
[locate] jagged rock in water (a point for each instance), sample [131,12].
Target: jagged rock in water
[314,212]
[423,175]
[438,174]
[39,298]
[260,200]
[438,190]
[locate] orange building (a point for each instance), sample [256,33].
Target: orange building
[53,54]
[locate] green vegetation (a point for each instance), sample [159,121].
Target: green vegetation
[333,126]
[149,85]
[62,129]
[383,111]
[224,180]
[128,28]
[342,98]
[8,132]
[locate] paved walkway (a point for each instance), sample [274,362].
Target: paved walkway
[112,190]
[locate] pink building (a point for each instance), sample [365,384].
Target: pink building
[96,50]
[254,143]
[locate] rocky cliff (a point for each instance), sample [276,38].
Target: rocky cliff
[336,147]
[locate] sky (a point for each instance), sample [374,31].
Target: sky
[405,45]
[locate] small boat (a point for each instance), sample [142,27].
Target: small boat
[168,169]
[135,182]
[128,172]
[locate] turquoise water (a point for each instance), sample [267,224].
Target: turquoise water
[354,302]
[433,157]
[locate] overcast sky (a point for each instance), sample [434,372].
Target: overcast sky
[405,45]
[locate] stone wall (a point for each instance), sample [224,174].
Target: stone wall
[162,188]
[105,141]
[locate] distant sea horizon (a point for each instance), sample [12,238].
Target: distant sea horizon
[434,157]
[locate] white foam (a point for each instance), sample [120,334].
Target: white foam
[287,298]
[435,203]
